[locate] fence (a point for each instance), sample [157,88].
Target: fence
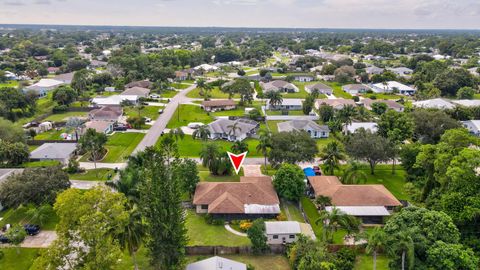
[40,142]
[222,250]
[69,109]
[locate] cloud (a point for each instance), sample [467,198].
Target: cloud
[14,3]
[236,2]
[43,2]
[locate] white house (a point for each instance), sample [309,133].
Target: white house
[372,126]
[43,86]
[282,232]
[393,86]
[304,78]
[467,102]
[114,100]
[290,104]
[217,263]
[315,130]
[61,152]
[355,89]
[473,126]
[232,130]
[205,67]
[436,103]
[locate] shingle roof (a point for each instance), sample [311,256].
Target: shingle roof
[390,103]
[110,112]
[144,84]
[136,91]
[336,102]
[53,151]
[218,103]
[217,263]
[351,195]
[319,86]
[301,124]
[222,126]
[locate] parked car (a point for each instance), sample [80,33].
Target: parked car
[4,239]
[317,170]
[154,96]
[160,111]
[148,119]
[31,229]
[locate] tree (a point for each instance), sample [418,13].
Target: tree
[353,175]
[368,146]
[451,256]
[132,237]
[323,201]
[160,204]
[209,155]
[395,126]
[39,215]
[331,156]
[93,142]
[239,147]
[379,108]
[376,240]
[64,95]
[333,220]
[404,244]
[81,80]
[10,132]
[344,74]
[75,123]
[326,113]
[450,80]
[36,185]
[256,234]
[288,182]
[202,133]
[346,114]
[292,147]
[13,154]
[274,98]
[187,172]
[430,125]
[466,93]
[232,129]
[136,121]
[16,234]
[264,144]
[241,87]
[89,223]
[308,104]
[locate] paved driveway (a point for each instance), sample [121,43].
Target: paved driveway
[42,240]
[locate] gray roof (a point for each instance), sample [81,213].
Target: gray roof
[301,124]
[136,91]
[53,151]
[222,126]
[217,263]
[374,70]
[361,210]
[356,86]
[319,86]
[282,227]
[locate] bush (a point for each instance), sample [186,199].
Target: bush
[245,225]
[60,109]
[356,99]
[281,217]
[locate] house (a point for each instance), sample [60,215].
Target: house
[53,70]
[351,128]
[232,130]
[136,91]
[303,78]
[393,87]
[183,75]
[320,87]
[217,263]
[436,103]
[473,126]
[106,113]
[252,197]
[355,89]
[279,86]
[115,100]
[374,70]
[282,232]
[315,130]
[42,87]
[402,71]
[291,104]
[337,104]
[205,68]
[100,126]
[143,84]
[391,104]
[371,203]
[61,152]
[66,78]
[218,105]
[466,102]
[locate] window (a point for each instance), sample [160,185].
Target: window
[204,206]
[291,236]
[275,236]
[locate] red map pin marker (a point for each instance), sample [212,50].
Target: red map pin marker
[237,160]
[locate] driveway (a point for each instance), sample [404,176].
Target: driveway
[252,170]
[81,184]
[42,240]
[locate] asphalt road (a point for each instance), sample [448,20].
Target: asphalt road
[156,130]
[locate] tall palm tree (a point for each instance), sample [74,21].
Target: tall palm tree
[275,98]
[201,133]
[335,219]
[331,156]
[347,114]
[210,155]
[239,147]
[233,129]
[177,133]
[376,239]
[264,144]
[132,238]
[353,174]
[403,243]
[323,201]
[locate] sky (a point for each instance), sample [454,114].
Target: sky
[385,14]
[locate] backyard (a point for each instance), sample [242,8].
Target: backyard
[21,215]
[101,174]
[119,146]
[11,259]
[265,262]
[214,93]
[59,117]
[365,262]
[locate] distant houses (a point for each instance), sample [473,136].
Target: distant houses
[393,87]
[279,86]
[218,105]
[289,104]
[313,129]
[437,103]
[337,104]
[232,130]
[473,126]
[391,104]
[143,84]
[320,87]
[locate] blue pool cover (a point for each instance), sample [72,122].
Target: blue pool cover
[309,172]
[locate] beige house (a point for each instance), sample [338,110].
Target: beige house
[218,105]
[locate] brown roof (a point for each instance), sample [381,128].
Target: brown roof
[218,103]
[99,126]
[110,112]
[336,102]
[144,84]
[231,197]
[352,195]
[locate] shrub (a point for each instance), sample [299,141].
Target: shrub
[59,109]
[281,217]
[245,225]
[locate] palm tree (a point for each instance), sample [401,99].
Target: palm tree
[335,219]
[353,175]
[376,239]
[201,133]
[315,93]
[177,133]
[275,98]
[331,156]
[204,87]
[264,144]
[323,201]
[132,238]
[233,129]
[403,243]
[347,113]
[210,155]
[239,147]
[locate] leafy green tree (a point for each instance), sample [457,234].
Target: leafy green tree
[376,240]
[308,104]
[466,93]
[403,243]
[187,172]
[292,147]
[451,80]
[430,125]
[13,154]
[241,87]
[93,142]
[39,215]
[368,146]
[353,174]
[256,234]
[326,113]
[379,108]
[239,147]
[10,132]
[395,126]
[202,133]
[323,201]
[64,95]
[332,155]
[347,114]
[288,182]
[451,257]
[16,234]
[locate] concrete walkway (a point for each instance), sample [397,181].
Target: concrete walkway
[42,240]
[252,170]
[82,184]
[230,229]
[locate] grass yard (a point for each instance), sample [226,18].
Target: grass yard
[186,114]
[44,163]
[321,143]
[290,112]
[188,147]
[101,174]
[312,214]
[121,145]
[240,110]
[293,210]
[168,94]
[59,117]
[22,261]
[265,262]
[20,215]
[147,111]
[44,105]
[365,262]
[205,176]
[200,233]
[214,93]
[337,90]
[51,135]
[272,126]
[9,84]
[180,86]
[383,175]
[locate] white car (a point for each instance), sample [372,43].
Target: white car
[154,96]
[195,125]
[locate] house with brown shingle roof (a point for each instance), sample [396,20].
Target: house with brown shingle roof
[218,105]
[106,113]
[144,84]
[391,104]
[252,197]
[368,202]
[337,103]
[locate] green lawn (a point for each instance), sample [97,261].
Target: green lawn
[51,135]
[207,177]
[180,85]
[168,94]
[146,111]
[240,110]
[9,84]
[59,117]
[188,147]
[200,233]
[121,145]
[44,105]
[365,262]
[45,163]
[337,90]
[186,114]
[101,174]
[272,126]
[321,143]
[312,214]
[295,213]
[19,215]
[22,261]
[264,262]
[214,93]
[383,175]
